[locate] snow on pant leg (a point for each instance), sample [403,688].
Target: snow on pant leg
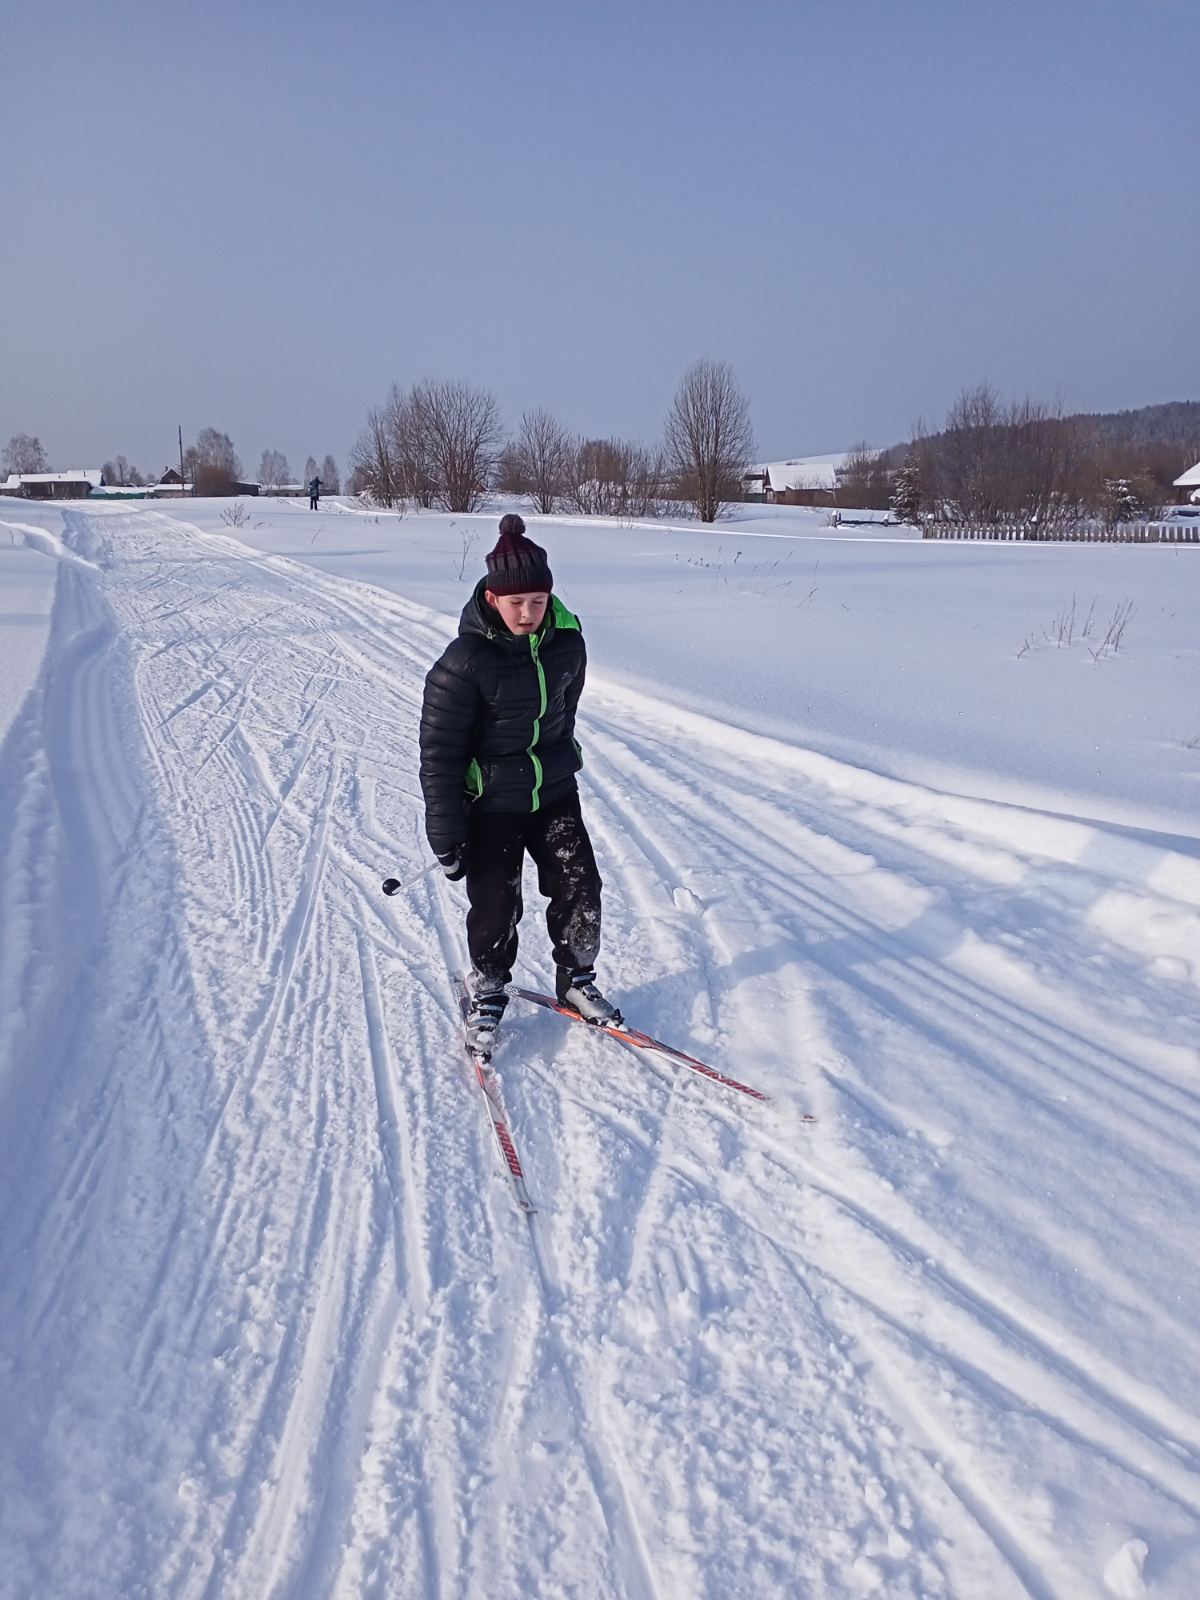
[569,878]
[495,854]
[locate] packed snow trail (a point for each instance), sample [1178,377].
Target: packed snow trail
[271,1325]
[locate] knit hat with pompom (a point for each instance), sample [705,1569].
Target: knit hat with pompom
[517,565]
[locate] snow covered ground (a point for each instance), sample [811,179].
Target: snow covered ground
[873,841]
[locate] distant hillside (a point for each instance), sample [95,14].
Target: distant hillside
[1150,437]
[1175,422]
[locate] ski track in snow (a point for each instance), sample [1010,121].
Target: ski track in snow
[271,1325]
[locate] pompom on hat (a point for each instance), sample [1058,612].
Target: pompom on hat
[517,565]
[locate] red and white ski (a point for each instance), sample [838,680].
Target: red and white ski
[490,1090]
[635,1039]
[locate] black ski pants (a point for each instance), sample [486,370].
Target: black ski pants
[312,502]
[567,875]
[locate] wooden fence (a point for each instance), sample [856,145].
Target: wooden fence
[1080,533]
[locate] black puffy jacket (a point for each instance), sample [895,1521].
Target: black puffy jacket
[498,719]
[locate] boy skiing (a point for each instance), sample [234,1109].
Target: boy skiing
[498,765]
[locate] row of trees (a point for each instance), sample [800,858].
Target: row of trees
[592,477]
[997,462]
[211,463]
[24,453]
[119,471]
[443,444]
[214,467]
[274,472]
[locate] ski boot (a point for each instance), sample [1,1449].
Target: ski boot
[578,992]
[488,1002]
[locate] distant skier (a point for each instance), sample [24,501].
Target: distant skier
[498,765]
[314,493]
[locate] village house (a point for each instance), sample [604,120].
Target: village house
[805,481]
[76,484]
[171,485]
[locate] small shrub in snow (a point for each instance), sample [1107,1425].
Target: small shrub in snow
[469,540]
[1067,629]
[1115,632]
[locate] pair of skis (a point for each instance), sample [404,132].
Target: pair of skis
[633,1038]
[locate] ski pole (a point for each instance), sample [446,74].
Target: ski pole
[394,886]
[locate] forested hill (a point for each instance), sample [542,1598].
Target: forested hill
[1174,422]
[1158,441]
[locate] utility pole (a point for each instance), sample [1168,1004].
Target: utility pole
[182,482]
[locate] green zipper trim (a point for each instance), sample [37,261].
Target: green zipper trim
[537,724]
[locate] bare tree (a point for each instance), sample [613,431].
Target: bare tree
[511,473]
[646,480]
[215,462]
[597,470]
[310,470]
[273,469]
[708,437]
[460,430]
[119,474]
[436,444]
[24,453]
[863,478]
[613,478]
[373,463]
[542,447]
[415,467]
[1025,462]
[969,457]
[1054,463]
[331,482]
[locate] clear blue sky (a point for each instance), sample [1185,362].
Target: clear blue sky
[256,215]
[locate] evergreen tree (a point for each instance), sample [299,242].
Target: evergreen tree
[1122,503]
[906,493]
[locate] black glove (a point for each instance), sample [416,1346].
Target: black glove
[454,863]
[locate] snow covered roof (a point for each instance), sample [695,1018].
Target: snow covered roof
[92,475]
[1190,479]
[803,472]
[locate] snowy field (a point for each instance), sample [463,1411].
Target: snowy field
[887,831]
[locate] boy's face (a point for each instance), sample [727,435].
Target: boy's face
[521,613]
